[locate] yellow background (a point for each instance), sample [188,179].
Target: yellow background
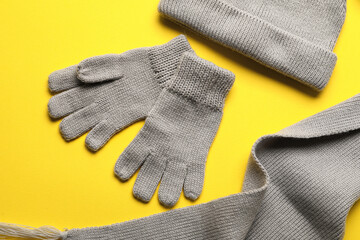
[46,181]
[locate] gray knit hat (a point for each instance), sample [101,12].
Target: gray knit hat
[293,37]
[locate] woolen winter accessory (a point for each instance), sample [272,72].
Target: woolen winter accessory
[173,145]
[293,37]
[109,92]
[300,184]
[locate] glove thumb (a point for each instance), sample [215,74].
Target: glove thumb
[100,68]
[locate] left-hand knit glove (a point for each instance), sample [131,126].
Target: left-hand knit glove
[173,144]
[107,93]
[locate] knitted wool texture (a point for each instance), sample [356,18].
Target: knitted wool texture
[293,37]
[300,184]
[106,93]
[174,142]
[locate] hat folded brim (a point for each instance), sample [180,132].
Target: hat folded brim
[256,38]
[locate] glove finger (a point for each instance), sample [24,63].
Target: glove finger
[131,159]
[80,122]
[68,102]
[148,178]
[102,132]
[172,183]
[100,68]
[194,181]
[64,79]
[100,135]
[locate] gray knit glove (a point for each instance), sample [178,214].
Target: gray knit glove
[107,93]
[173,144]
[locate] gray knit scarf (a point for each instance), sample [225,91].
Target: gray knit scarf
[300,184]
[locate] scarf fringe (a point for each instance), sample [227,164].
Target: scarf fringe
[11,231]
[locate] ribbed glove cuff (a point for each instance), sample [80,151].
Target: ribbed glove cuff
[202,81]
[166,58]
[256,38]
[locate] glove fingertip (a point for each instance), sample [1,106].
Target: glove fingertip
[52,109]
[63,79]
[66,131]
[92,144]
[194,181]
[122,174]
[141,195]
[167,200]
[191,195]
[100,135]
[52,84]
[84,75]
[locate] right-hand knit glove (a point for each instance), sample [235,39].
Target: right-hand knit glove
[109,92]
[173,144]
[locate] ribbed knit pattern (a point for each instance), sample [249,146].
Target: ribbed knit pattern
[300,184]
[106,93]
[293,37]
[201,81]
[172,146]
